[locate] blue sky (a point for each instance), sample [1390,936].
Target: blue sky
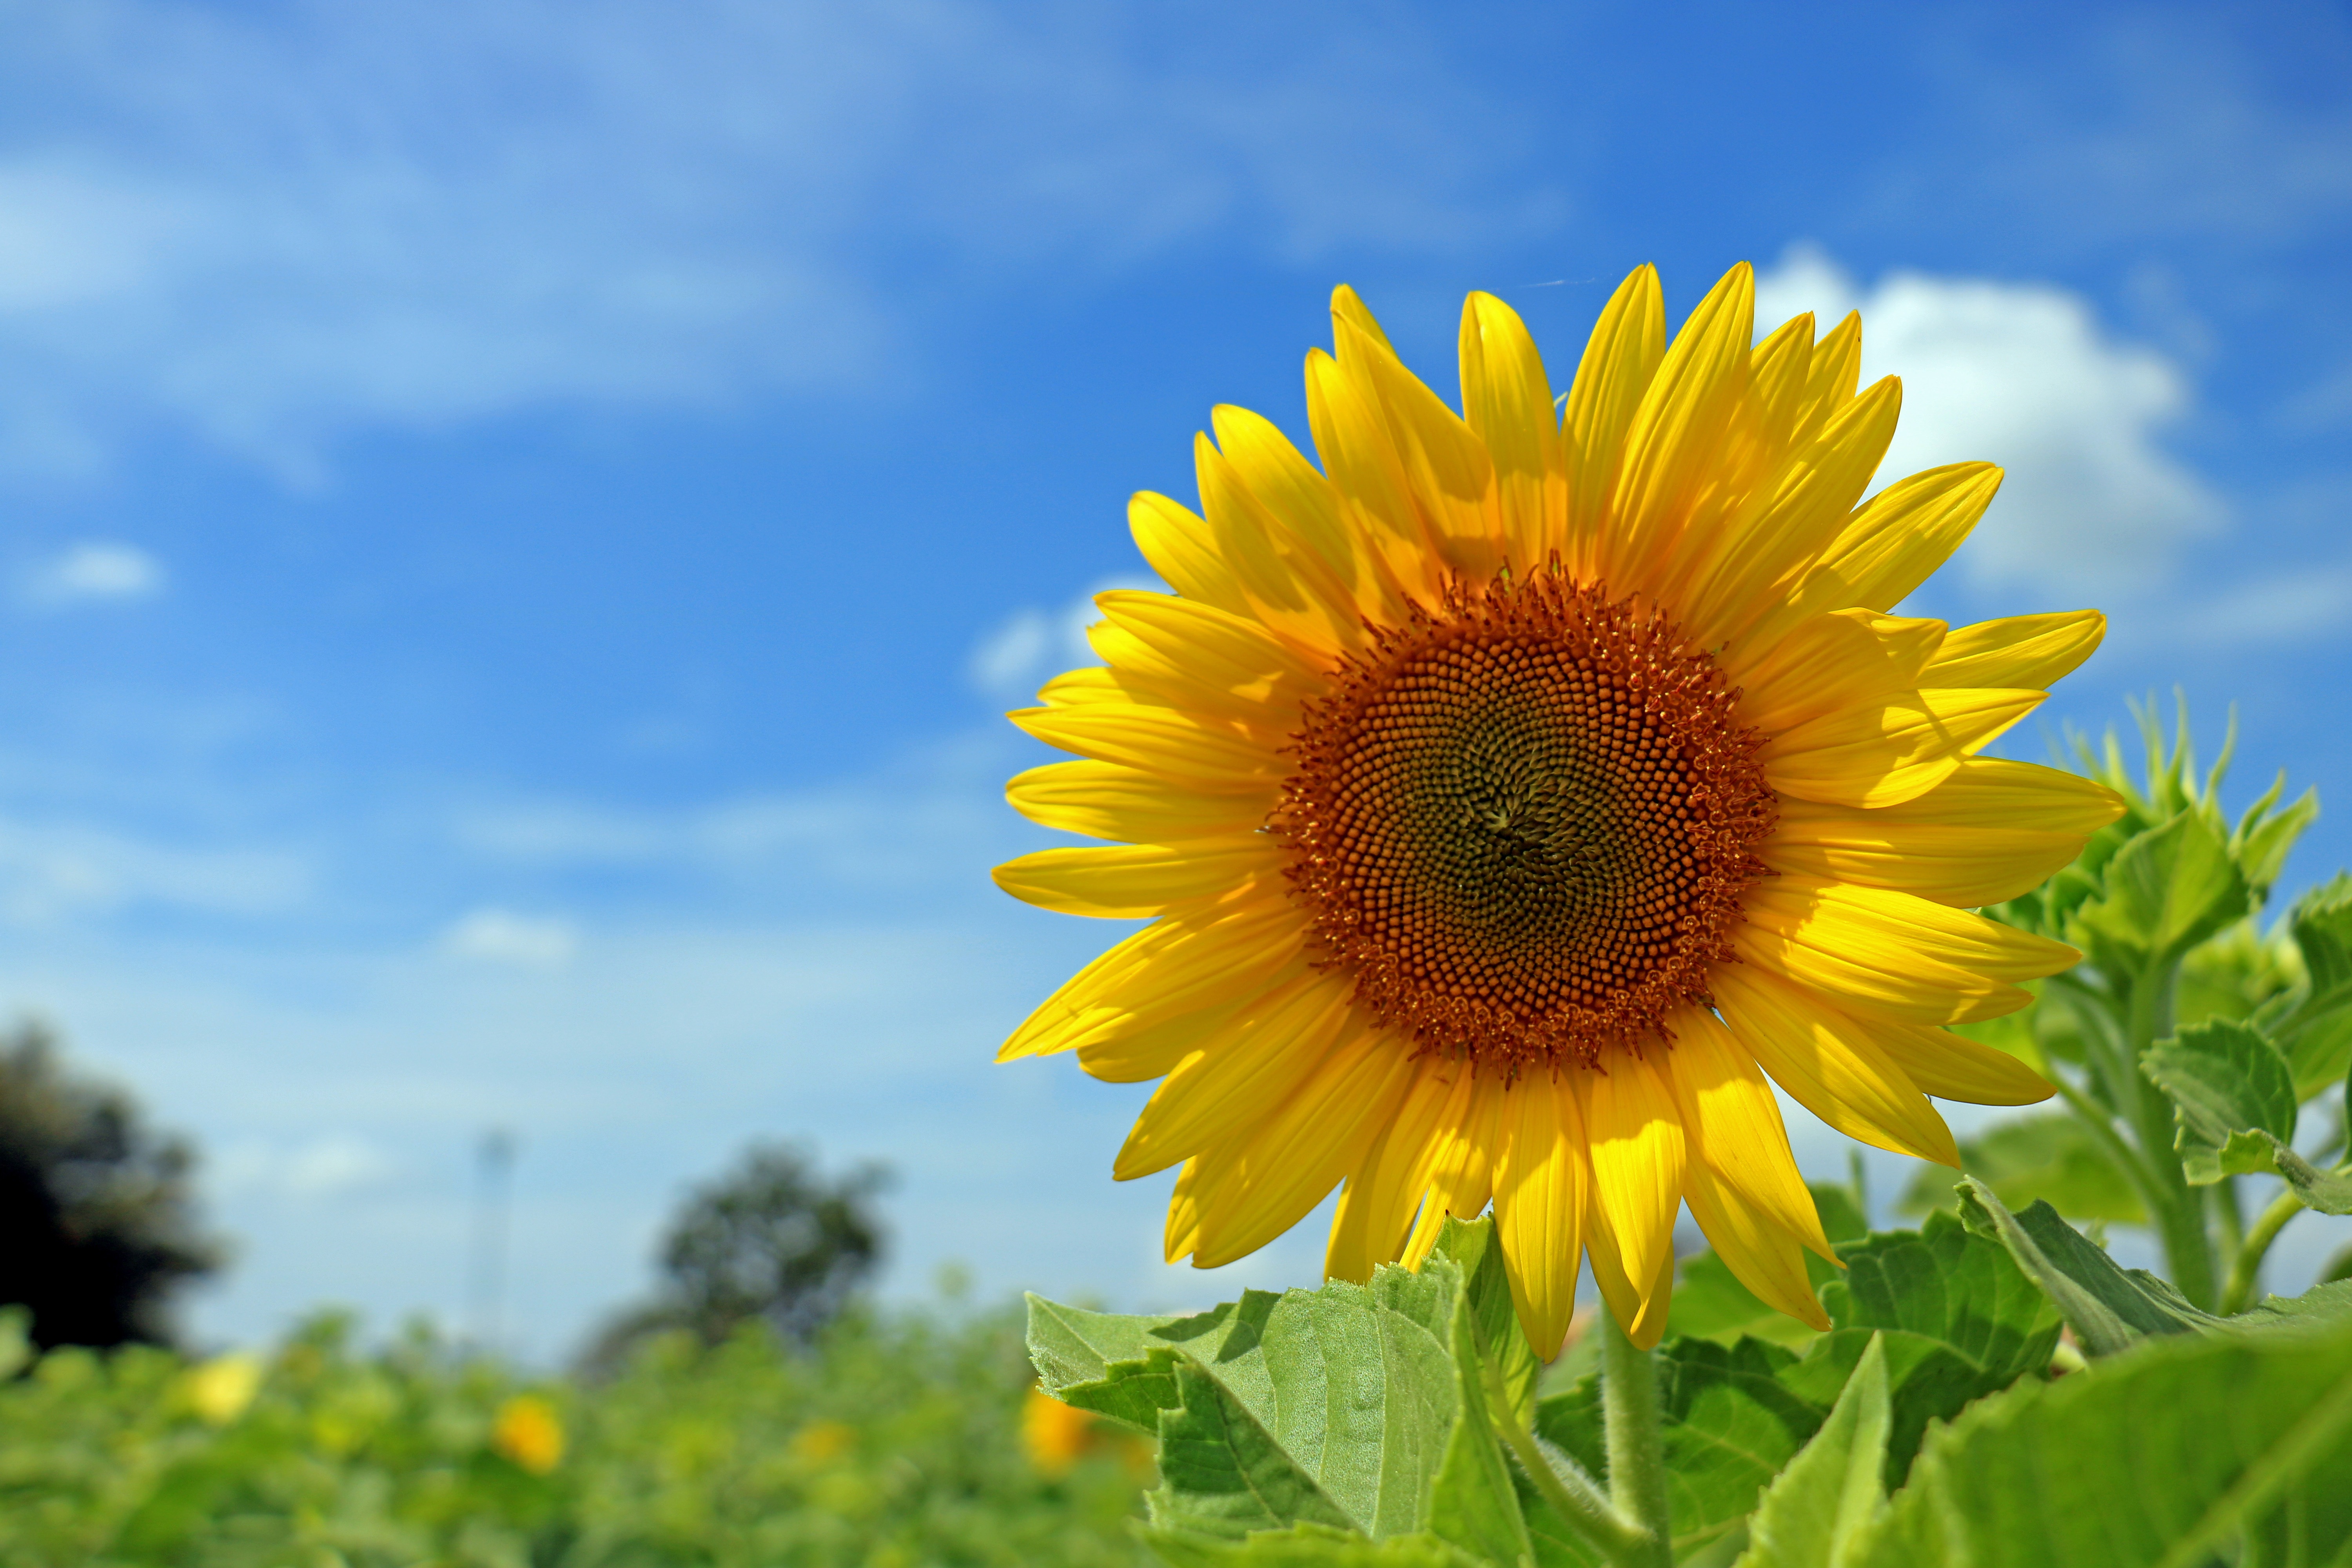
[519,518]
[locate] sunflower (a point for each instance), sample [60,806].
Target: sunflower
[1515,796]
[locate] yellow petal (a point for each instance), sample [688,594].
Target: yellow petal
[1087,683]
[1506,401]
[1953,1066]
[1751,450]
[1105,800]
[1635,1134]
[1235,1080]
[1139,672]
[1883,752]
[1375,499]
[1759,1254]
[1139,1055]
[1286,484]
[1829,1065]
[1174,744]
[1179,546]
[1183,1231]
[1993,791]
[1376,1207]
[1541,1197]
[1621,359]
[1835,371]
[1834,662]
[1891,955]
[1136,881]
[1462,1170]
[1447,471]
[1732,1124]
[2022,650]
[1226,653]
[1173,966]
[1994,831]
[1641,1307]
[1788,520]
[1290,588]
[1673,437]
[1303,1149]
[1890,547]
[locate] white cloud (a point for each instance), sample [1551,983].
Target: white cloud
[273,226]
[316,1169]
[96,572]
[502,936]
[56,872]
[2023,376]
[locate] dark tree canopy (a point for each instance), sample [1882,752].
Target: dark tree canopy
[772,1239]
[98,1225]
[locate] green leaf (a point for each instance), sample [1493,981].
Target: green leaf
[2329,1191]
[2317,1032]
[1960,1320]
[2051,1156]
[1350,1385]
[1069,1345]
[1833,1488]
[1223,1474]
[1729,1423]
[1314,1426]
[2322,924]
[2223,1079]
[1474,1502]
[2260,841]
[2166,890]
[2110,1309]
[1305,1546]
[2169,1455]
[2324,1303]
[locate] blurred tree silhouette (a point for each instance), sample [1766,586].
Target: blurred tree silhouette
[98,1226]
[771,1239]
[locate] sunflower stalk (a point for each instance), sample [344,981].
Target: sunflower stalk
[2245,1270]
[1572,1495]
[1637,1442]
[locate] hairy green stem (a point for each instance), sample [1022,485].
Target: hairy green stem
[2239,1294]
[1572,1494]
[1637,1441]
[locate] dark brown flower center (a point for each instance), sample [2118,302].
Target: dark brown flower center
[1526,824]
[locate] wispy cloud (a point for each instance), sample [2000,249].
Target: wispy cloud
[56,872]
[2023,374]
[95,573]
[2289,607]
[274,226]
[502,936]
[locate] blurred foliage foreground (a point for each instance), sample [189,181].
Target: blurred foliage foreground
[891,1440]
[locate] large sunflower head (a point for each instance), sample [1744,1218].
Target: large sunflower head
[1514,793]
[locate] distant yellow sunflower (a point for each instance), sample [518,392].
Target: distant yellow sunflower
[1515,792]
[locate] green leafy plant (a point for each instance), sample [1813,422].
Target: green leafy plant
[1396,1422]
[2191,1047]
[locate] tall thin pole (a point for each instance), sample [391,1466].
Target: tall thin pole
[493,1193]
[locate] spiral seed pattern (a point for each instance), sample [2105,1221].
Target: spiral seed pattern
[1525,824]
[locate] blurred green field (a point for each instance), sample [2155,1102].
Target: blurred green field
[898,1440]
